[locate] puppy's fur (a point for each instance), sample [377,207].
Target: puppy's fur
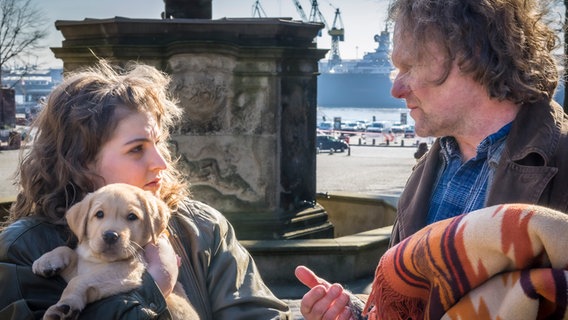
[112,225]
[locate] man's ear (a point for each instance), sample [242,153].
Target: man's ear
[77,217]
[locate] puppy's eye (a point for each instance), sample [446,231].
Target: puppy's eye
[131,217]
[100,214]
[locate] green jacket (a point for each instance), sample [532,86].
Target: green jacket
[533,169]
[218,274]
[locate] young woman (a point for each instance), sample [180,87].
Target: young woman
[102,126]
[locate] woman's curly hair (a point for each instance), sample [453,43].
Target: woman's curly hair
[78,118]
[504,44]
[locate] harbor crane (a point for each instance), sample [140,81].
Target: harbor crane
[300,10]
[257,10]
[337,32]
[316,15]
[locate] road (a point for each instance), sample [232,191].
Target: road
[368,169]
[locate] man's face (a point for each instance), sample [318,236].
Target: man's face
[437,109]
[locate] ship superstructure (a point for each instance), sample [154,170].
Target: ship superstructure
[362,82]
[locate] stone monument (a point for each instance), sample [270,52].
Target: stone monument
[248,88]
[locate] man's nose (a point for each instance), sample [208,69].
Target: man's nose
[399,88]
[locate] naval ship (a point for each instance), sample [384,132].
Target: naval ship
[359,83]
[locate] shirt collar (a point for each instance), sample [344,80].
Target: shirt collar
[450,148]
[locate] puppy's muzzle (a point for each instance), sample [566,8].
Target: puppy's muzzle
[110,237]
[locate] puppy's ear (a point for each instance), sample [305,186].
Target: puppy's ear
[77,217]
[158,214]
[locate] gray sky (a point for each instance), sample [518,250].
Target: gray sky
[362,19]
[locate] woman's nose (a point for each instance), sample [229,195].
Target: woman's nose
[157,161]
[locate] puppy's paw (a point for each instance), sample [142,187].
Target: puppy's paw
[54,262]
[47,268]
[61,311]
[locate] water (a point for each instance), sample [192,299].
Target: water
[366,114]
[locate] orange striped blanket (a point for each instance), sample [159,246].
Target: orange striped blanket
[502,262]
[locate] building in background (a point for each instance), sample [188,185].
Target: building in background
[30,87]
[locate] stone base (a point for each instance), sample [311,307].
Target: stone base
[310,223]
[348,260]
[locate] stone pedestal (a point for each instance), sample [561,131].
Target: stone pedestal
[248,87]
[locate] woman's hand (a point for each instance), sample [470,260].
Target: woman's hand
[324,300]
[163,263]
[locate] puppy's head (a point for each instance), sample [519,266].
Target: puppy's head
[117,220]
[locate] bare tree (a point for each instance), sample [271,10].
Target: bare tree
[22,27]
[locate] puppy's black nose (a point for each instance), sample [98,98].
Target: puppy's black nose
[110,237]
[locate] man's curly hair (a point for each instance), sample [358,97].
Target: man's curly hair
[503,44]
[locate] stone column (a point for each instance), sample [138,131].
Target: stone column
[248,87]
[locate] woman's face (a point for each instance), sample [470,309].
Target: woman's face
[131,155]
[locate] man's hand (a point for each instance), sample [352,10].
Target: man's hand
[324,300]
[163,263]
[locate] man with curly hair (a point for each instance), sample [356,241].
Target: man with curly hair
[480,76]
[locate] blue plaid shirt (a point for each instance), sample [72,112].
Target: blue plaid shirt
[461,187]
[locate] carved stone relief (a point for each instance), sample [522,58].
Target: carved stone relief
[226,149]
[202,84]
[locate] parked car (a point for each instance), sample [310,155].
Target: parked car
[326,125]
[325,142]
[409,132]
[349,126]
[398,129]
[361,125]
[376,127]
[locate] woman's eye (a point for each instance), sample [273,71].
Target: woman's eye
[131,217]
[99,214]
[136,149]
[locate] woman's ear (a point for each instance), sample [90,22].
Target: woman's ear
[77,217]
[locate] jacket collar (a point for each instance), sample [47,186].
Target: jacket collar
[536,129]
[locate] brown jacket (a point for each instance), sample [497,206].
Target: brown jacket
[533,169]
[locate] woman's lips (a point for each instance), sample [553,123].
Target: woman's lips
[153,185]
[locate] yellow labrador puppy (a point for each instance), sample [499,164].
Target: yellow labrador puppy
[112,226]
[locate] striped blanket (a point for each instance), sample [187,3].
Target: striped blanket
[502,262]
